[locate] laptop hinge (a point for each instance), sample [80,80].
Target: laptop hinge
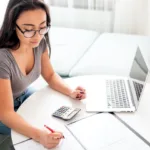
[132,99]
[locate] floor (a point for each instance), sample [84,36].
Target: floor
[6,142]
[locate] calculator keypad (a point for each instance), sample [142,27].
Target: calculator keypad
[65,112]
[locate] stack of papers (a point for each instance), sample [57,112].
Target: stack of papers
[105,132]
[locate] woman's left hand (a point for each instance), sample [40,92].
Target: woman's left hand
[79,93]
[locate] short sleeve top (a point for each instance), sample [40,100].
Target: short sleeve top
[9,69]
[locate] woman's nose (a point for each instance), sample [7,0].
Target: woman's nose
[37,35]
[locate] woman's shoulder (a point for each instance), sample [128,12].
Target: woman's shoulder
[5,65]
[4,55]
[3,52]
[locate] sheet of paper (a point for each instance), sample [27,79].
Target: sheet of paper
[69,143]
[105,132]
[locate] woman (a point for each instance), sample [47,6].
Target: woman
[24,55]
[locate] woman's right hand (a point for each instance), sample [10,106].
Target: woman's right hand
[50,140]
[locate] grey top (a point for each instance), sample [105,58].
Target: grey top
[9,69]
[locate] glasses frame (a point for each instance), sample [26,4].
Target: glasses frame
[48,27]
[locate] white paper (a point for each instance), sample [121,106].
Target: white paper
[69,143]
[105,132]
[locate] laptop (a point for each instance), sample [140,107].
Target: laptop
[121,94]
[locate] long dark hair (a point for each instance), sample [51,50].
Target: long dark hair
[8,36]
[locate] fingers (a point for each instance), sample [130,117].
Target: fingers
[80,97]
[81,93]
[55,137]
[50,140]
[58,134]
[83,96]
[54,140]
[80,88]
[50,145]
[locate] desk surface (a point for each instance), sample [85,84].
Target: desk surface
[43,103]
[139,120]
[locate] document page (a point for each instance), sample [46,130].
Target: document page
[69,143]
[105,132]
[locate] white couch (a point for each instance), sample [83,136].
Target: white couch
[68,46]
[112,53]
[79,52]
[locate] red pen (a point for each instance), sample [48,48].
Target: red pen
[50,129]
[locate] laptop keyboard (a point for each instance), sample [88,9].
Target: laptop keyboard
[138,88]
[117,94]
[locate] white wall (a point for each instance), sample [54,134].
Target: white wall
[131,16]
[141,23]
[3,5]
[80,18]
[124,17]
[148,26]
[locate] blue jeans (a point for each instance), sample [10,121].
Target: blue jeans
[17,102]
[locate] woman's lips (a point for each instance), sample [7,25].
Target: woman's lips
[35,42]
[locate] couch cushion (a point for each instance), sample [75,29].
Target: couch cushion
[68,46]
[112,54]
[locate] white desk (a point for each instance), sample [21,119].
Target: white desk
[140,120]
[38,108]
[43,103]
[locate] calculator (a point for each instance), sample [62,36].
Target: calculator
[65,112]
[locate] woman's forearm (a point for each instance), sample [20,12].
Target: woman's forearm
[58,84]
[17,123]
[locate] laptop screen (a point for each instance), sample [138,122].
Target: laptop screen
[139,69]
